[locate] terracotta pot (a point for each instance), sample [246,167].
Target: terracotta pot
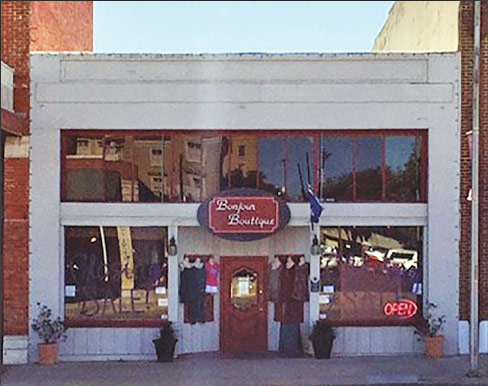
[434,346]
[48,353]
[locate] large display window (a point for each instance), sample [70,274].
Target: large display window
[371,275]
[115,274]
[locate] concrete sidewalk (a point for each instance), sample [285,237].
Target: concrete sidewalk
[207,369]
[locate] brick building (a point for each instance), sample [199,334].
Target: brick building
[428,26]
[27,26]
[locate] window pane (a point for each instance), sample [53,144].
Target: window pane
[402,169]
[369,181]
[272,164]
[150,154]
[115,273]
[335,164]
[119,169]
[297,149]
[215,149]
[84,174]
[371,274]
[241,162]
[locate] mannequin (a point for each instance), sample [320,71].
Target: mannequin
[290,263]
[273,283]
[186,263]
[192,288]
[300,284]
[275,262]
[198,264]
[212,269]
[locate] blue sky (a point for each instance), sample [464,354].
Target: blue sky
[237,26]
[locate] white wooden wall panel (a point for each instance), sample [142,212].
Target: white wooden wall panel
[108,343]
[352,341]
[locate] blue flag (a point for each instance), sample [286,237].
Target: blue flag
[315,207]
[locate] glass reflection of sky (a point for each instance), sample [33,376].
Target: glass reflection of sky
[338,153]
[298,147]
[399,151]
[271,160]
[368,155]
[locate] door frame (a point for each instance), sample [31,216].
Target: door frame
[264,259]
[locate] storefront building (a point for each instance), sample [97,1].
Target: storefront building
[174,188]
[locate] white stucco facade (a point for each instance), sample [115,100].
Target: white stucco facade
[243,92]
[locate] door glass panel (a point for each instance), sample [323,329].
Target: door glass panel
[244,290]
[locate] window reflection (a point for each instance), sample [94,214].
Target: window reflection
[297,148]
[242,162]
[115,273]
[272,163]
[181,167]
[369,180]
[364,268]
[403,168]
[336,155]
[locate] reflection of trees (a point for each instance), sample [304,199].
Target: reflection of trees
[248,180]
[339,188]
[403,185]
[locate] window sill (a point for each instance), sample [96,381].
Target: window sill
[114,323]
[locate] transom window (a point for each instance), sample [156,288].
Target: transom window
[182,166]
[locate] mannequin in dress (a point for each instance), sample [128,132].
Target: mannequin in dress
[290,263]
[212,269]
[273,283]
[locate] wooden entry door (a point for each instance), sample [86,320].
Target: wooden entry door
[243,305]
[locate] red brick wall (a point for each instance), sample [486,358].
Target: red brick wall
[15,48]
[62,26]
[466,41]
[15,248]
[30,26]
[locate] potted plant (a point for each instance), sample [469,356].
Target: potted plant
[322,338]
[50,332]
[165,344]
[428,328]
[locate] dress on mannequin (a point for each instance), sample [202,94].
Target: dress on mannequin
[273,283]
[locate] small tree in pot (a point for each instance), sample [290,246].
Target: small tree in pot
[322,338]
[50,332]
[165,344]
[428,328]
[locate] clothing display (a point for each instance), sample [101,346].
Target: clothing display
[212,270]
[273,284]
[287,279]
[290,339]
[300,285]
[192,290]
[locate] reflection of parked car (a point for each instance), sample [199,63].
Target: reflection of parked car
[329,260]
[402,258]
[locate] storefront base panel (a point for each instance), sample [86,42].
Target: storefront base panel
[15,349]
[356,341]
[94,344]
[107,344]
[464,337]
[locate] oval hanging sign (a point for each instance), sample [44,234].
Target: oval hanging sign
[243,214]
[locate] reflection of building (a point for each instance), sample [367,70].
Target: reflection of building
[244,154]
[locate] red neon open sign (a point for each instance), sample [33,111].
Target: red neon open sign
[404,308]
